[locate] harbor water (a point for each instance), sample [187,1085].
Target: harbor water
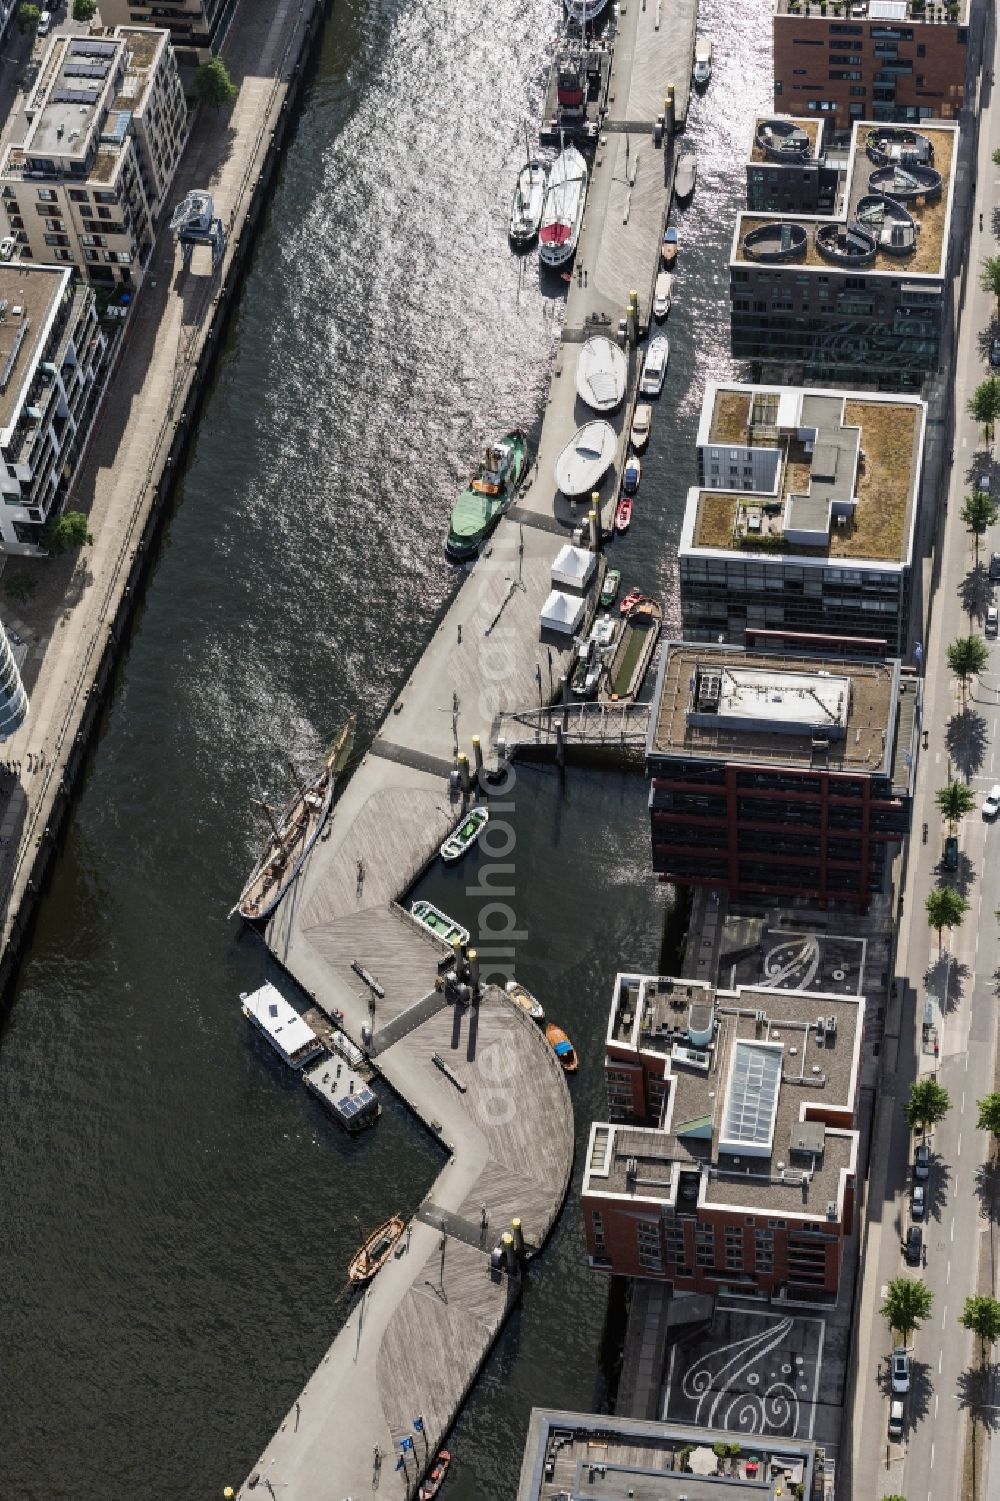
[178,1213]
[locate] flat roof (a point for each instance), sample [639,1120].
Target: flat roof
[854,714]
[74,88]
[749,1113]
[864,449]
[786,125]
[577,1454]
[37,291]
[279,1019]
[931,214]
[888,12]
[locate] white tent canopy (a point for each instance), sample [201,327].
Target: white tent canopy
[562,612]
[573,568]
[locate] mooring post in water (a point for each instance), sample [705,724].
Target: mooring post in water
[509,1254]
[474,975]
[593,531]
[477,756]
[564,684]
[463,771]
[668,111]
[632,319]
[518,1235]
[560,746]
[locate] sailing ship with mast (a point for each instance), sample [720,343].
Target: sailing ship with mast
[294,833]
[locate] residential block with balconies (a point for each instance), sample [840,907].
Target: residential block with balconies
[780,774]
[857,294]
[805,519]
[787,171]
[847,60]
[196,27]
[729,1160]
[107,121]
[51,376]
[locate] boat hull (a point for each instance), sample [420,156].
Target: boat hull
[257,910]
[461,839]
[562,217]
[568,1061]
[475,517]
[375,1251]
[529,203]
[585,12]
[525,1001]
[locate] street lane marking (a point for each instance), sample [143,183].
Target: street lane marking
[936,1401]
[944,1317]
[948,1278]
[953,1229]
[940,1359]
[932,1456]
[959,1151]
[963,1107]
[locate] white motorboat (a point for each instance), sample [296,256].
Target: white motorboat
[654,369]
[642,421]
[702,62]
[562,216]
[663,295]
[584,12]
[601,374]
[586,458]
[529,201]
[522,997]
[686,175]
[290,1036]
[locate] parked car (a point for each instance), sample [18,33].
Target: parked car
[44,23]
[896,1410]
[922,1162]
[995,352]
[913,1246]
[918,1202]
[991,802]
[900,1371]
[949,859]
[7,247]
[995,566]
[992,620]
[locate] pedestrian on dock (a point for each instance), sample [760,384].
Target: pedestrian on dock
[361,876]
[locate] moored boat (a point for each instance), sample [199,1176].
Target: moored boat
[663,295]
[527,1002]
[294,833]
[289,1034]
[609,589]
[586,458]
[654,368]
[635,648]
[702,62]
[686,175]
[587,673]
[435,1479]
[487,495]
[668,249]
[562,1047]
[529,200]
[632,598]
[642,421]
[348,1097]
[465,834]
[375,1250]
[631,476]
[601,374]
[439,923]
[623,514]
[562,214]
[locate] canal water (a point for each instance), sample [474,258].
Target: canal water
[177,1213]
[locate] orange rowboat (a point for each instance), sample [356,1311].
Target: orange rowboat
[562,1047]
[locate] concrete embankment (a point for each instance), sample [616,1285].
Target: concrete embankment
[412,1348]
[139,440]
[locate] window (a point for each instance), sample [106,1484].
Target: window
[46,195]
[858,93]
[106,197]
[840,76]
[78,195]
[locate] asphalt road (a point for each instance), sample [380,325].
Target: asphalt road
[959,981]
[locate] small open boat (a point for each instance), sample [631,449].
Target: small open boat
[523,998]
[642,421]
[610,587]
[663,295]
[435,1479]
[529,200]
[686,175]
[562,1047]
[632,598]
[439,923]
[462,838]
[375,1250]
[654,366]
[702,62]
[623,514]
[632,476]
[668,250]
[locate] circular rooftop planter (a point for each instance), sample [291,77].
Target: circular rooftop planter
[894,143]
[889,222]
[783,140]
[776,242]
[906,183]
[850,245]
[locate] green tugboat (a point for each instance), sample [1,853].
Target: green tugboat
[487,496]
[609,589]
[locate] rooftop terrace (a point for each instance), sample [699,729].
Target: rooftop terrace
[927,201]
[846,491]
[761,1103]
[783,134]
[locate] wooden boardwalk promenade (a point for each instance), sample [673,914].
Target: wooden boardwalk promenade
[413,1344]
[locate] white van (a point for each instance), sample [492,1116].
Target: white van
[44,23]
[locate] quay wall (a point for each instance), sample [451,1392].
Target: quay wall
[85,698]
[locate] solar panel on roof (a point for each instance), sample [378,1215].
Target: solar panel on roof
[74,96]
[86,48]
[86,70]
[348,1105]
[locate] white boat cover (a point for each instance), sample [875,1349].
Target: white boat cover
[562,612]
[601,373]
[573,568]
[586,458]
[279,1020]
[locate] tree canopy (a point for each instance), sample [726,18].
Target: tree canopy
[954,801]
[84,10]
[213,85]
[984,403]
[989,278]
[989,1114]
[979,512]
[70,530]
[981,1316]
[945,909]
[926,1104]
[966,657]
[28,17]
[907,1304]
